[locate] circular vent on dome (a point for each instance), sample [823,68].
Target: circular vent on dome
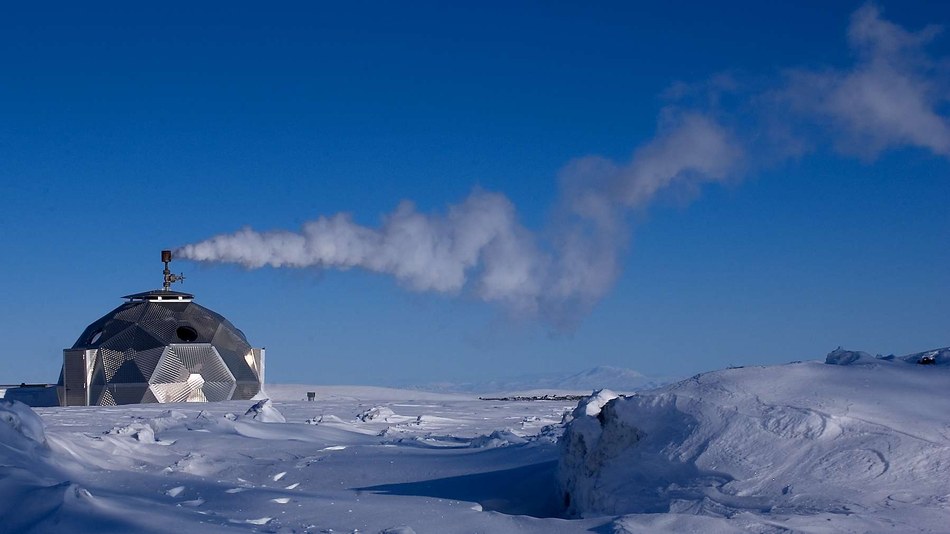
[186,334]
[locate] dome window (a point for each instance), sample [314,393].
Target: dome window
[95,337]
[186,333]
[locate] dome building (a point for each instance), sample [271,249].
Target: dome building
[160,346]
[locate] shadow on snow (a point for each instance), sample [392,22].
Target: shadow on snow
[528,490]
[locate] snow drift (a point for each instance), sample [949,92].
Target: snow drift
[34,491]
[265,412]
[863,446]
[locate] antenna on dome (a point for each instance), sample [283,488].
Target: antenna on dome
[169,277]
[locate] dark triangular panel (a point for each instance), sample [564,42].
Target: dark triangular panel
[129,394]
[95,395]
[238,366]
[130,313]
[226,337]
[147,360]
[142,340]
[128,373]
[149,397]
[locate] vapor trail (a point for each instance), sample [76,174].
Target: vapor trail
[891,96]
[479,246]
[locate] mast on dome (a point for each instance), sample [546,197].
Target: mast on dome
[169,278]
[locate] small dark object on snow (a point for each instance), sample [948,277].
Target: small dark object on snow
[547,397]
[927,359]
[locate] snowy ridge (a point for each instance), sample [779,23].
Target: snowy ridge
[840,356]
[600,377]
[862,447]
[298,392]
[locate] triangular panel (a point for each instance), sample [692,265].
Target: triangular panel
[106,399]
[170,369]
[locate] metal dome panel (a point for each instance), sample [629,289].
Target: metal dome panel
[128,372]
[112,360]
[191,372]
[107,399]
[246,390]
[170,369]
[128,393]
[149,396]
[147,360]
[159,321]
[131,314]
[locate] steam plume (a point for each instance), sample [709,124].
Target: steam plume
[891,96]
[478,245]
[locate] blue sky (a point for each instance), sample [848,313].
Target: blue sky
[817,216]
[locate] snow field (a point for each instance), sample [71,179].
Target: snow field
[804,447]
[859,446]
[440,464]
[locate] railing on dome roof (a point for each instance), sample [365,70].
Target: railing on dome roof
[165,294]
[160,295]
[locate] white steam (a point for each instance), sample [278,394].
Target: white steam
[426,252]
[892,96]
[478,246]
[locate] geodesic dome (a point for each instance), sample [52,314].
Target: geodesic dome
[160,346]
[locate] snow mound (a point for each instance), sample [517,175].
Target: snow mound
[137,431]
[592,405]
[145,430]
[330,418]
[930,357]
[781,445]
[36,495]
[841,356]
[498,438]
[20,428]
[265,412]
[379,413]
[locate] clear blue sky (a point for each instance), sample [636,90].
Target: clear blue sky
[128,129]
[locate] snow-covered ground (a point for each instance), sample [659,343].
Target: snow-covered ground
[357,459]
[809,447]
[604,376]
[859,446]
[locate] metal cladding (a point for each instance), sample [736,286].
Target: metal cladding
[160,347]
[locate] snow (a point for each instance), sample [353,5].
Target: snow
[583,382]
[265,412]
[592,405]
[861,446]
[210,468]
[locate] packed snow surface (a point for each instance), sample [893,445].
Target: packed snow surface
[862,445]
[357,459]
[808,447]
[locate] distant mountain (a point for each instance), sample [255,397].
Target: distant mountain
[614,378]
